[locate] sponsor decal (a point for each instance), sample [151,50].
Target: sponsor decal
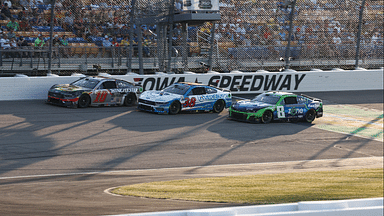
[211,97]
[237,83]
[123,90]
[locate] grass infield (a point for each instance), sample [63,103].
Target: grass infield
[266,188]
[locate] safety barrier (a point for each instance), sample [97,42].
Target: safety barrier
[371,207]
[23,87]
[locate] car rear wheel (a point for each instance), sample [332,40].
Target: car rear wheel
[129,100]
[266,117]
[310,115]
[174,108]
[84,101]
[218,106]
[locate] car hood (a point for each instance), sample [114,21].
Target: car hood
[159,96]
[248,105]
[67,88]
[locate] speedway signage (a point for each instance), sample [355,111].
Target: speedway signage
[244,83]
[258,82]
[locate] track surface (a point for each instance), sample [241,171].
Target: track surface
[47,153]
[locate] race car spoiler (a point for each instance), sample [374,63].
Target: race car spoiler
[312,98]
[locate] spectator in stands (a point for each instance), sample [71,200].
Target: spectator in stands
[5,12]
[65,49]
[106,45]
[22,14]
[78,27]
[22,43]
[9,3]
[24,4]
[56,42]
[39,42]
[4,42]
[5,45]
[375,40]
[13,24]
[11,34]
[336,42]
[125,41]
[68,22]
[24,25]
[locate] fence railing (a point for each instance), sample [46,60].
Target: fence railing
[251,35]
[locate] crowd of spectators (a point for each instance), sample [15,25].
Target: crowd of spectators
[321,28]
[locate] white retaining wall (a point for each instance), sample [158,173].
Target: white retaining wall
[355,207]
[23,87]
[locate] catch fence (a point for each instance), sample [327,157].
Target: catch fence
[140,36]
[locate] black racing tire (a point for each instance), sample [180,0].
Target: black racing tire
[266,117]
[218,107]
[174,108]
[84,101]
[310,116]
[130,100]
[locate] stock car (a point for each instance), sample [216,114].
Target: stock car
[282,106]
[185,96]
[94,91]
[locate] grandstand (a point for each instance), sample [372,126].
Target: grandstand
[238,35]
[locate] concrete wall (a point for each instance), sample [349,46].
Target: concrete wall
[356,207]
[23,87]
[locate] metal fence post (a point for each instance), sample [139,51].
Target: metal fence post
[51,36]
[359,34]
[212,41]
[288,49]
[132,13]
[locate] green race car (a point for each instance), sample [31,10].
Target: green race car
[277,106]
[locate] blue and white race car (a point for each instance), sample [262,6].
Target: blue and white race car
[185,96]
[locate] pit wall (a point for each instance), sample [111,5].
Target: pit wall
[23,87]
[361,207]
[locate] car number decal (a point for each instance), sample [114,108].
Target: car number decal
[189,102]
[280,112]
[101,96]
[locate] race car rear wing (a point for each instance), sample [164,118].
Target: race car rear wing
[312,98]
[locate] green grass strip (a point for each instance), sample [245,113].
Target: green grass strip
[267,188]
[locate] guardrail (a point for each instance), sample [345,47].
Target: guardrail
[371,207]
[23,87]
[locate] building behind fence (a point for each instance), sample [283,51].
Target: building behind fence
[121,36]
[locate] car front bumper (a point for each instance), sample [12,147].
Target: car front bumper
[244,117]
[63,102]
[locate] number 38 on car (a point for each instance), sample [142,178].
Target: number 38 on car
[185,96]
[95,91]
[277,106]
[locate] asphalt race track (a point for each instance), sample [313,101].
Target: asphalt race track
[60,161]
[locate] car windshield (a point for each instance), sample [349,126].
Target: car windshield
[177,89]
[267,98]
[86,83]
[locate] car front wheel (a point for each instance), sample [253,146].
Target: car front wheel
[174,108]
[84,101]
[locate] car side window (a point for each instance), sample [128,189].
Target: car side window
[123,84]
[290,100]
[211,90]
[301,100]
[109,85]
[198,91]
